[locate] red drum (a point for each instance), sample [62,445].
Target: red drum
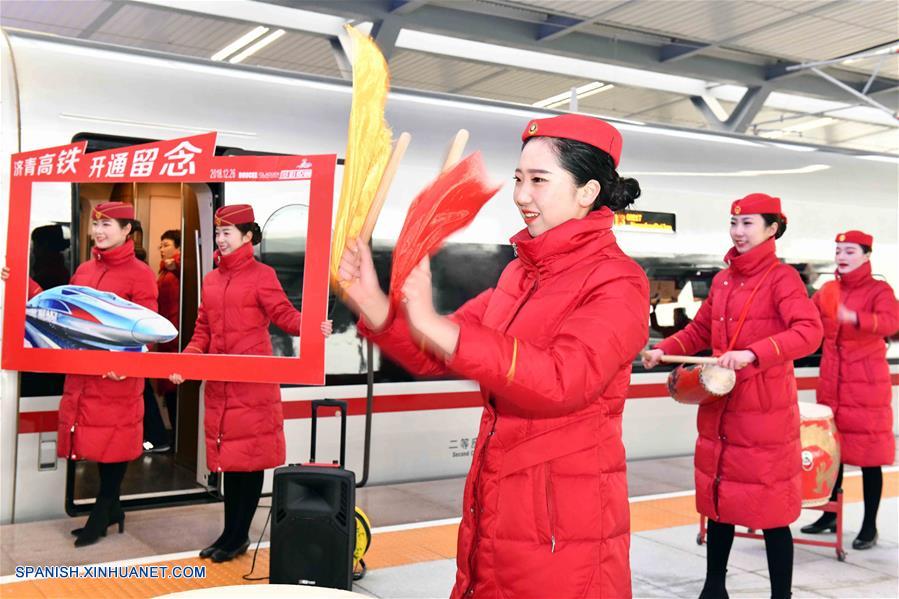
[700,384]
[820,453]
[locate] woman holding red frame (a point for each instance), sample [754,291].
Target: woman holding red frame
[757,319]
[545,508]
[243,422]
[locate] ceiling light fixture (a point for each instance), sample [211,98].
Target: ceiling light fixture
[584,91]
[240,42]
[258,46]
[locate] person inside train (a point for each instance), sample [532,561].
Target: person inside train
[48,261]
[168,281]
[155,435]
[757,319]
[858,311]
[244,424]
[100,417]
[545,506]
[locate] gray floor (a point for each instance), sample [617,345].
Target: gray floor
[669,563]
[150,532]
[665,563]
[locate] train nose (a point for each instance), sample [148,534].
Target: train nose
[153,330]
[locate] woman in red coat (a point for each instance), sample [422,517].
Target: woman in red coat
[100,418]
[243,422]
[858,311]
[545,507]
[169,283]
[748,462]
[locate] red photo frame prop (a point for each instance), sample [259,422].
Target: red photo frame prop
[183,160]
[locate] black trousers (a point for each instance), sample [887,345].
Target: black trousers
[778,547]
[242,493]
[154,427]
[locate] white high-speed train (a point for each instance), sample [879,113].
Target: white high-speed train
[55,91]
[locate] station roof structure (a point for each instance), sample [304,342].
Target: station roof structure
[821,71]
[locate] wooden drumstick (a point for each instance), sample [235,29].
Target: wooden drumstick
[688,360]
[399,149]
[454,154]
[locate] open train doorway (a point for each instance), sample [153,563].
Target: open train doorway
[170,239]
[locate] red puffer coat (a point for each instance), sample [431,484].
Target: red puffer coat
[545,508]
[102,419]
[748,454]
[169,284]
[855,375]
[243,422]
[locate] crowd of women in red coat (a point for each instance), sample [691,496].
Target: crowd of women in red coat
[545,505]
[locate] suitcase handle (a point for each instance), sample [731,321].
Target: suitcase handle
[329,403]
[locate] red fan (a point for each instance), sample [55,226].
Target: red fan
[449,203]
[830,299]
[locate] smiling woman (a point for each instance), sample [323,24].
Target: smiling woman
[753,480]
[551,346]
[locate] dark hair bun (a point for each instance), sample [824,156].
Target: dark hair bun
[253,228]
[257,233]
[624,192]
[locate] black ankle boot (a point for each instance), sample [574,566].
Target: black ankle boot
[714,587]
[116,515]
[826,523]
[99,520]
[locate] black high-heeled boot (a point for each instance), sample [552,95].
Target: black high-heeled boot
[98,522]
[116,515]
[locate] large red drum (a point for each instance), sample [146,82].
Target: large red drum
[700,384]
[820,453]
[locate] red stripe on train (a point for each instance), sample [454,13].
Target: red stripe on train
[44,422]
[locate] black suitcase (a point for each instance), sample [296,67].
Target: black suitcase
[313,518]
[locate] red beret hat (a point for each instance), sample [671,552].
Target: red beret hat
[757,203]
[235,214]
[859,237]
[113,210]
[585,129]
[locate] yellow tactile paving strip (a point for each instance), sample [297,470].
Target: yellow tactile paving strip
[388,549]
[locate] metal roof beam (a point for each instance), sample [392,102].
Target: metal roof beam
[747,108]
[679,50]
[510,32]
[556,26]
[403,7]
[385,33]
[101,19]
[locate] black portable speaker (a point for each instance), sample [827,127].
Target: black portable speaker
[313,519]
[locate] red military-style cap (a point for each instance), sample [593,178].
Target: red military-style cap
[586,129]
[859,237]
[235,214]
[757,203]
[113,210]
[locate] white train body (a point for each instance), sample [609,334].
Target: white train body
[54,89]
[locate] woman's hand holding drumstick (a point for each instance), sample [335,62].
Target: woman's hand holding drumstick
[735,360]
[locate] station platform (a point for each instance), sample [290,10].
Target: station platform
[414,545]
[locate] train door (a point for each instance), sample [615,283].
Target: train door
[60,241]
